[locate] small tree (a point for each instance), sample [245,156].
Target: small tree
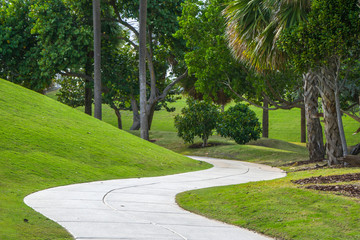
[197,119]
[72,91]
[240,124]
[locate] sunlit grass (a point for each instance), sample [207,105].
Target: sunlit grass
[280,208]
[45,144]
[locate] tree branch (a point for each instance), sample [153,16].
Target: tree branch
[121,21]
[356,118]
[276,104]
[167,89]
[74,74]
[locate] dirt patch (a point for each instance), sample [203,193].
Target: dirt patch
[329,179]
[347,190]
[351,190]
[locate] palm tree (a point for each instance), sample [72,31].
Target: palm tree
[253,27]
[97,58]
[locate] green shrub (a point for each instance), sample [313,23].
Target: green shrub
[240,124]
[72,91]
[199,118]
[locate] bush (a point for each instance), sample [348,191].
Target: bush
[72,91]
[240,124]
[199,118]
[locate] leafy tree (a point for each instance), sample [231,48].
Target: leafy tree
[199,118]
[65,33]
[207,56]
[65,38]
[322,43]
[120,82]
[161,47]
[71,92]
[210,60]
[253,28]
[239,123]
[19,49]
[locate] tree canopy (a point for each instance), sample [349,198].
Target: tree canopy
[20,50]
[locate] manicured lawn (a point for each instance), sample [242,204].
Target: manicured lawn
[280,208]
[45,144]
[276,208]
[284,124]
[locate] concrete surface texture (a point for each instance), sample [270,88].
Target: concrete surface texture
[145,208]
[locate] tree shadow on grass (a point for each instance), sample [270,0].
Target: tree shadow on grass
[210,144]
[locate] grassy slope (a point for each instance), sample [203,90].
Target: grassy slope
[44,144]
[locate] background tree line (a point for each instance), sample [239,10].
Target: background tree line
[272,54]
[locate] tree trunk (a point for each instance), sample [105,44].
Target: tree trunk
[303,125]
[340,122]
[151,112]
[205,141]
[314,130]
[136,116]
[144,133]
[97,59]
[88,90]
[118,115]
[88,97]
[265,120]
[332,134]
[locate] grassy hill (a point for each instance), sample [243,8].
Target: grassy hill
[45,144]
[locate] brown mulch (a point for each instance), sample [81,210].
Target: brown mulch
[329,179]
[348,190]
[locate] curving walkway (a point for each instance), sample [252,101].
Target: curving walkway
[145,208]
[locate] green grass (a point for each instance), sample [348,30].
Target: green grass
[45,144]
[280,208]
[266,151]
[277,208]
[283,124]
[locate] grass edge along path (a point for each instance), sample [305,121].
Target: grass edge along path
[45,144]
[279,208]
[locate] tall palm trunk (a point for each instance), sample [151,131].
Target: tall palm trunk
[303,125]
[97,59]
[327,87]
[144,132]
[314,130]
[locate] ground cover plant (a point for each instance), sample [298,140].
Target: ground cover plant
[44,144]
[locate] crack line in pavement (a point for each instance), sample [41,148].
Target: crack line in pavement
[118,210]
[142,185]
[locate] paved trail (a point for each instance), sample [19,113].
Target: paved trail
[145,208]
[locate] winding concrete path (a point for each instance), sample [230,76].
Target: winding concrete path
[145,208]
